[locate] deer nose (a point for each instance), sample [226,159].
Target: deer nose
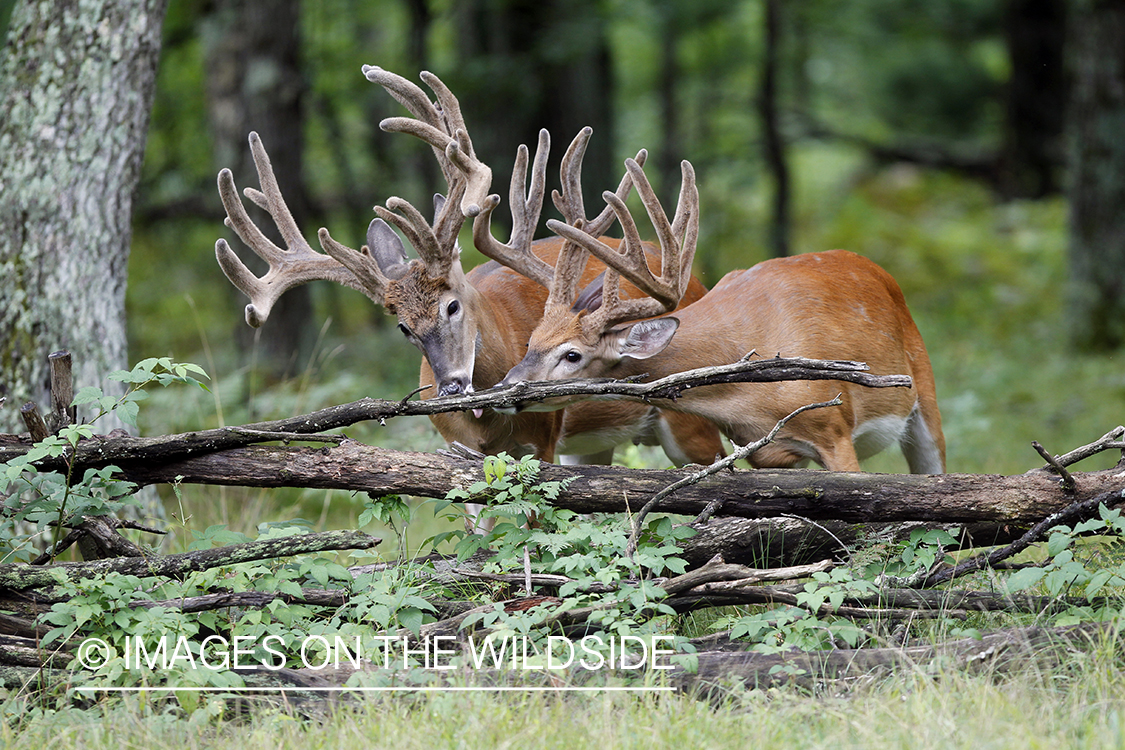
[454,386]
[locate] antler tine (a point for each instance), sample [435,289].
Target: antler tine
[573,257]
[676,254]
[443,127]
[291,267]
[677,241]
[599,225]
[419,234]
[516,254]
[569,202]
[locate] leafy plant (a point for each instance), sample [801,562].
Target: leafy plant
[1076,564]
[35,500]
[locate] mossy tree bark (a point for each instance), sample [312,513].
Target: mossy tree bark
[76,86]
[1097,175]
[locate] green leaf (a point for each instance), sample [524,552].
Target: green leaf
[127,412]
[1024,579]
[1057,542]
[86,394]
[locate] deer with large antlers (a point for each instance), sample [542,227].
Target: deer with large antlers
[829,305]
[471,327]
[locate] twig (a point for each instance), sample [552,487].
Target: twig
[1108,441]
[21,577]
[738,454]
[123,449]
[843,610]
[709,510]
[414,393]
[1067,480]
[1074,511]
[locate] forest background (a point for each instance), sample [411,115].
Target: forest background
[946,140]
[974,148]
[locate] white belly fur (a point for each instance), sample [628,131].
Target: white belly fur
[877,434]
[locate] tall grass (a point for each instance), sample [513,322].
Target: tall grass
[1079,705]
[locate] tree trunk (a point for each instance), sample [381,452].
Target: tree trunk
[771,133]
[1097,175]
[254,82]
[526,66]
[1031,160]
[76,87]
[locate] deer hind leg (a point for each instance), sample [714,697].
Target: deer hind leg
[923,453]
[688,438]
[839,456]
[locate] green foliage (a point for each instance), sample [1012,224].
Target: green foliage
[33,500]
[1078,564]
[806,626]
[591,552]
[128,630]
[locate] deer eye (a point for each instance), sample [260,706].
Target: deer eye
[404,329]
[573,356]
[454,306]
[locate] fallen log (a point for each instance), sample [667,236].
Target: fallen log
[1003,651]
[19,576]
[1022,499]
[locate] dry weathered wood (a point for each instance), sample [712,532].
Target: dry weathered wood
[103,450]
[777,542]
[33,421]
[853,498]
[1002,651]
[19,577]
[731,593]
[1108,441]
[62,390]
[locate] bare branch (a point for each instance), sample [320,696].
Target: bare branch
[740,453]
[102,450]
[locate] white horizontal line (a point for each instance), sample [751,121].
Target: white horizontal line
[402,689]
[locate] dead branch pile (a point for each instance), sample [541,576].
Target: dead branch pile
[754,526]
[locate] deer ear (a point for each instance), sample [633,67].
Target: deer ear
[439,203]
[387,249]
[647,337]
[590,298]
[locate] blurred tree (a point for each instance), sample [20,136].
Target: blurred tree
[254,82]
[1031,157]
[76,85]
[5,14]
[523,65]
[773,140]
[1097,174]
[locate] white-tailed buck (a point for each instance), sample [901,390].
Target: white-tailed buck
[829,305]
[471,327]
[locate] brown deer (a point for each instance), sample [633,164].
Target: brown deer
[471,327]
[829,305]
